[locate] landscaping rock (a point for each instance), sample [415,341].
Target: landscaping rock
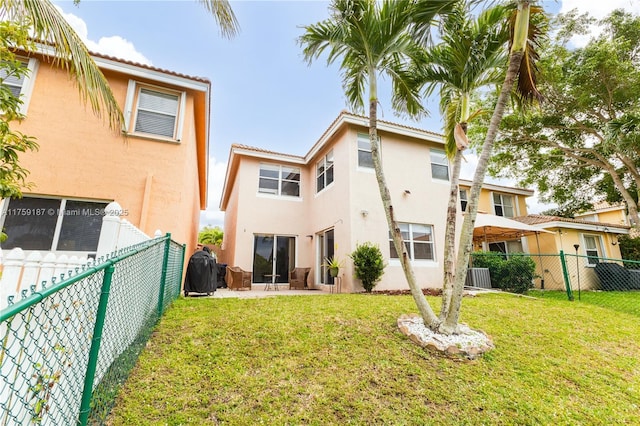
[467,344]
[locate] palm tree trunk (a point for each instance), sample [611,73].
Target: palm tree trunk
[450,324]
[450,236]
[429,317]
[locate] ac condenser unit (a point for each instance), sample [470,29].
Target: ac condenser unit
[478,277]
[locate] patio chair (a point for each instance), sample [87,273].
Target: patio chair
[237,278]
[298,278]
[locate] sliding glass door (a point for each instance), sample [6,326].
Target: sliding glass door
[273,258]
[326,244]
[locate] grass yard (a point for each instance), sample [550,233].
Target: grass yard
[340,359]
[622,301]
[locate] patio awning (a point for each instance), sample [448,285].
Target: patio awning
[490,228]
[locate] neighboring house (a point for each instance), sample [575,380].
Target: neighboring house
[502,201]
[594,240]
[605,213]
[157,174]
[284,211]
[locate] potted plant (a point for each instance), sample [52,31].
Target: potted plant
[333,264]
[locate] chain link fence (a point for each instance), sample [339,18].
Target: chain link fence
[67,348]
[612,283]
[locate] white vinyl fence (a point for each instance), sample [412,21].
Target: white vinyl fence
[24,273]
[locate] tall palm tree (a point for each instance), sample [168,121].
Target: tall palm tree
[375,38]
[521,69]
[49,25]
[470,56]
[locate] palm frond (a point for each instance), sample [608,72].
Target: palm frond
[70,53]
[224,16]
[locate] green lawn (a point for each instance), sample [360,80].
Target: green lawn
[622,301]
[340,359]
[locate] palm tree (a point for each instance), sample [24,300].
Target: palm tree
[49,26]
[470,56]
[521,67]
[375,38]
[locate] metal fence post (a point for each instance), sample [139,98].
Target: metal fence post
[567,283]
[163,278]
[85,405]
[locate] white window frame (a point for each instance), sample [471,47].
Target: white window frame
[508,245]
[132,105]
[598,249]
[26,83]
[501,204]
[322,168]
[407,228]
[362,137]
[280,169]
[464,198]
[438,158]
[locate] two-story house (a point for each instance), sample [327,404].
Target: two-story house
[284,211]
[157,173]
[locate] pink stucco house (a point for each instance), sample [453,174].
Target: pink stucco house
[284,211]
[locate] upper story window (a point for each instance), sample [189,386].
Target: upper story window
[52,224]
[324,172]
[592,248]
[503,205]
[21,84]
[439,164]
[418,239]
[365,156]
[154,111]
[463,200]
[279,180]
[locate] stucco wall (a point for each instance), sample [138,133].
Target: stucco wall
[155,182]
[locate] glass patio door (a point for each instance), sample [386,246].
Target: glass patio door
[326,244]
[273,258]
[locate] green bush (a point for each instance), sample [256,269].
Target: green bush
[368,264]
[514,274]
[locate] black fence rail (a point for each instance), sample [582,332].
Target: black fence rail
[67,348]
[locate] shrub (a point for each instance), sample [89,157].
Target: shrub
[368,264]
[514,274]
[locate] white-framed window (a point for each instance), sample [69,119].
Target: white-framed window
[592,248]
[279,180]
[21,85]
[439,164]
[365,156]
[463,200]
[418,239]
[506,247]
[33,223]
[324,172]
[503,205]
[154,111]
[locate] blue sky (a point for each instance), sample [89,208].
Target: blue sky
[263,93]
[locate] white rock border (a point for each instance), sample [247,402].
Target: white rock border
[469,343]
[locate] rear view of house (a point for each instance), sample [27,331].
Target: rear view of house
[285,211]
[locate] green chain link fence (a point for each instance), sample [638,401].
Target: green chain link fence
[67,348]
[611,283]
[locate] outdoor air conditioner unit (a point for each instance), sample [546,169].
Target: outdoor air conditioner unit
[478,277]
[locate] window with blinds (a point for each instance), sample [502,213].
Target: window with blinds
[157,113]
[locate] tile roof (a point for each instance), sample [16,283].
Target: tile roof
[263,151]
[537,219]
[149,67]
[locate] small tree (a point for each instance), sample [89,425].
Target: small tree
[368,264]
[209,235]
